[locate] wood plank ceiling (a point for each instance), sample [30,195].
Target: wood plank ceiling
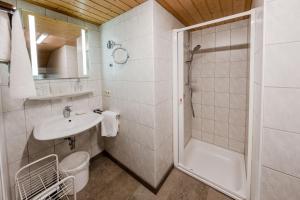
[189,12]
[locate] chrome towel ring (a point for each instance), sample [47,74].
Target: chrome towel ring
[120,55]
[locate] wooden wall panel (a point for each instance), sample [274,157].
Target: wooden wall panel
[189,12]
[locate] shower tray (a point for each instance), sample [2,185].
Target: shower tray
[220,168]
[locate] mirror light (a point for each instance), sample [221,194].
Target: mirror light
[83,44]
[41,38]
[33,51]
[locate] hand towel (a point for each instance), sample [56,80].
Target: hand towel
[21,80]
[109,124]
[5,37]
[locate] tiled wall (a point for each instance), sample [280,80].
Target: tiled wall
[220,84]
[20,117]
[132,89]
[141,89]
[281,127]
[163,23]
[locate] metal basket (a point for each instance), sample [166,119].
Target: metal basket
[42,180]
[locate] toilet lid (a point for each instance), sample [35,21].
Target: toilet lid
[75,161]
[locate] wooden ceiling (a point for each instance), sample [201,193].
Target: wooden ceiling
[94,11]
[189,12]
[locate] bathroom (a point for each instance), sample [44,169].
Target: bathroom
[168,99]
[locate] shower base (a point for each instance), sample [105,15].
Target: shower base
[220,168]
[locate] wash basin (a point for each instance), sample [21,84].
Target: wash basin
[59,127]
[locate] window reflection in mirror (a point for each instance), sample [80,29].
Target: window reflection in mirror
[57,49]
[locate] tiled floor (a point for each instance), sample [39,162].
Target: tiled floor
[109,182]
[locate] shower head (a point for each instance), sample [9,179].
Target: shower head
[196,48]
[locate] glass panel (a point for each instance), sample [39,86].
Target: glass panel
[185,116]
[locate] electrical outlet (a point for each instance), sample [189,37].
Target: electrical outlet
[107,93]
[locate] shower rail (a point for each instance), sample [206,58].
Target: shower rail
[223,48]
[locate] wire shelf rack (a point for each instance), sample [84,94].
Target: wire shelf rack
[42,180]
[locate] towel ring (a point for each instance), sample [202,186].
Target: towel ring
[120,55]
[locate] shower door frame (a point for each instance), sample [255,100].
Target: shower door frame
[178,100]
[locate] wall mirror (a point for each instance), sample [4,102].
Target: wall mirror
[57,49]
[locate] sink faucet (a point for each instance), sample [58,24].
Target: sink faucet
[66,112]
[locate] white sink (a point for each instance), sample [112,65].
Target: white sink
[60,127]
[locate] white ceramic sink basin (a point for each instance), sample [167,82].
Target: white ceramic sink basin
[60,127]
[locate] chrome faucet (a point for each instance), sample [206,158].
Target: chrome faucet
[66,112]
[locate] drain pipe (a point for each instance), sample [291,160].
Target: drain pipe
[72,141]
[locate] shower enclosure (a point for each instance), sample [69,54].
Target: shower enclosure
[212,100]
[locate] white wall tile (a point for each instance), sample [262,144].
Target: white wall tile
[282,109]
[222,69]
[206,69]
[238,101]
[221,84]
[239,36]
[221,114]
[237,132]
[208,112]
[221,129]
[207,137]
[282,29]
[208,40]
[222,56]
[279,150]
[278,186]
[16,147]
[238,55]
[223,38]
[196,134]
[239,24]
[208,126]
[207,84]
[282,65]
[10,104]
[14,123]
[208,98]
[239,69]
[238,85]
[221,141]
[196,123]
[237,146]
[237,117]
[223,27]
[222,100]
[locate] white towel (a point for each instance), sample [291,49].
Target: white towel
[21,80]
[5,37]
[109,124]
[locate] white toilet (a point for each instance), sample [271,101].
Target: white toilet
[77,165]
